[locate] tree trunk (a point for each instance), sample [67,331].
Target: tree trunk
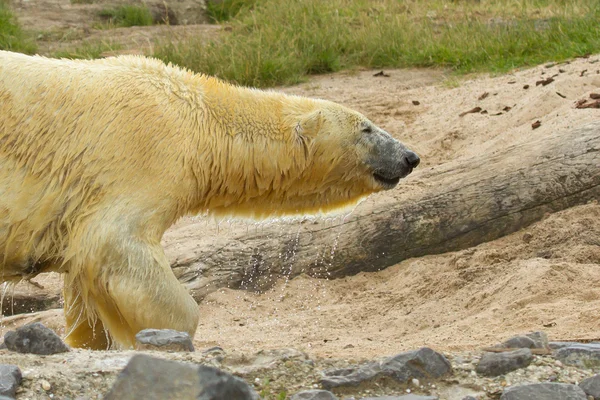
[450,207]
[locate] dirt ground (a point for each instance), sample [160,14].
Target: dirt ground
[59,25]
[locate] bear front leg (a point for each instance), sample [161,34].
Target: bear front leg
[82,329]
[132,289]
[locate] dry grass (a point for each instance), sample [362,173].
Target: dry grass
[272,42]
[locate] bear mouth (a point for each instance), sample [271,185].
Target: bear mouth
[387,182]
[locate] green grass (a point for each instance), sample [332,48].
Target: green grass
[12,36]
[88,51]
[128,15]
[227,9]
[269,42]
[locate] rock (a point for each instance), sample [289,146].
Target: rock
[469,398]
[540,339]
[560,345]
[181,12]
[151,378]
[544,391]
[591,386]
[10,379]
[404,397]
[164,340]
[45,385]
[34,338]
[495,364]
[519,342]
[580,355]
[533,340]
[423,364]
[314,395]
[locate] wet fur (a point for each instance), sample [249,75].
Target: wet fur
[99,158]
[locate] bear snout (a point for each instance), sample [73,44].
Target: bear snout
[389,172]
[391,161]
[411,158]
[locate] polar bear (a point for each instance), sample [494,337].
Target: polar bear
[98,158]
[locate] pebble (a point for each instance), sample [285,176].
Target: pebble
[164,340]
[45,385]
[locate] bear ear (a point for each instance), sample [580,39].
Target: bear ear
[310,123]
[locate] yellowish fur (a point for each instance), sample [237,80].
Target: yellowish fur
[99,158]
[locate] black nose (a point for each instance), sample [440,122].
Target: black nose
[412,159]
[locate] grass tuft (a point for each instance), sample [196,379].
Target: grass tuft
[128,15]
[12,36]
[88,51]
[270,42]
[220,11]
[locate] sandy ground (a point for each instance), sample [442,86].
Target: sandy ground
[542,278]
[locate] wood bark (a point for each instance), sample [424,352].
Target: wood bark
[23,303]
[450,207]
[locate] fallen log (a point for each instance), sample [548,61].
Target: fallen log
[22,303]
[450,207]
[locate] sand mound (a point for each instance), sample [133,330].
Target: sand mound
[542,278]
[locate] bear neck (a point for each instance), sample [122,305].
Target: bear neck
[248,151]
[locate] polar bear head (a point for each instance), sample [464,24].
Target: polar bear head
[306,156]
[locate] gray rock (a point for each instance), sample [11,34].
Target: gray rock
[314,395]
[519,342]
[404,397]
[540,339]
[544,391]
[164,340]
[580,355]
[591,386]
[560,345]
[469,398]
[10,379]
[152,378]
[495,364]
[424,364]
[34,338]
[537,340]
